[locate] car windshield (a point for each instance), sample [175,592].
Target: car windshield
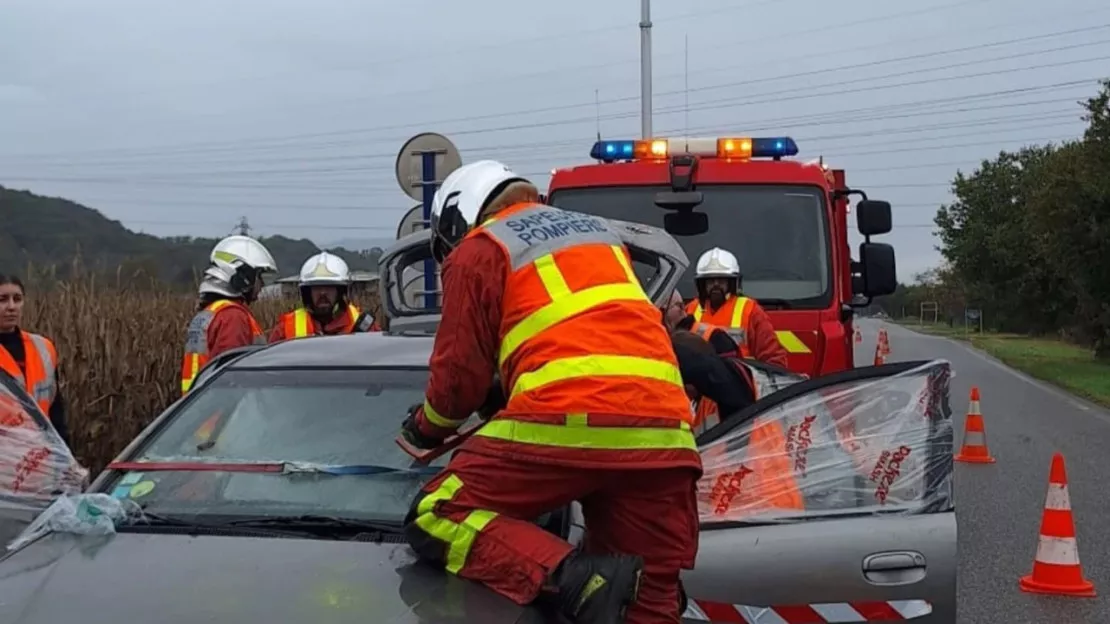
[778,233]
[314,423]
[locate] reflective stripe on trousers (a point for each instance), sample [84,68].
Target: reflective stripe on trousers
[459,536]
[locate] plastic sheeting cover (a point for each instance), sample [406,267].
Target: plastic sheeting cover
[36,466]
[874,440]
[81,514]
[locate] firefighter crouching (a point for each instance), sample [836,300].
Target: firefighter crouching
[325,309]
[224,320]
[720,303]
[29,358]
[596,411]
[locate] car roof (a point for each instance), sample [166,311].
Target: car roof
[346,351]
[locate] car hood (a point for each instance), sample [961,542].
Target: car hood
[180,579]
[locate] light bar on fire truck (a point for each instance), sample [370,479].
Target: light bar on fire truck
[740,148]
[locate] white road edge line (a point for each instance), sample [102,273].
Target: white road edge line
[1075,401]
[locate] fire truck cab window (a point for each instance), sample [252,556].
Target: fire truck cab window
[780,234]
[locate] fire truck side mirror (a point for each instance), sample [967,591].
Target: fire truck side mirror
[873,217]
[877,270]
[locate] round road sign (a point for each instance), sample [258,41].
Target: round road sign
[410,162]
[413,221]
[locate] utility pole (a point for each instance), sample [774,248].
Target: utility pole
[645,68]
[243,228]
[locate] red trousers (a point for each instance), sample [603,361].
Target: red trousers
[478,519]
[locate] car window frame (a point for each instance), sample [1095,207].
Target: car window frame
[937,461]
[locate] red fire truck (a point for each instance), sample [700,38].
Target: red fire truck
[786,221]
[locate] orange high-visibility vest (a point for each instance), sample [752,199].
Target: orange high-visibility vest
[299,323]
[196,340]
[40,378]
[733,317]
[584,358]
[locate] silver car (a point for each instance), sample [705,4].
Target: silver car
[274,491]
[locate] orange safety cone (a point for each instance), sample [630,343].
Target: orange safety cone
[974,449]
[1056,568]
[859,336]
[884,340]
[879,359]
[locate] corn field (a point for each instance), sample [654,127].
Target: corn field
[120,344]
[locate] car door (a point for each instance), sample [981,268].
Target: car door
[658,260]
[831,501]
[35,463]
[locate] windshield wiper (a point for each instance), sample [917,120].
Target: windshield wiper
[316,523]
[158,521]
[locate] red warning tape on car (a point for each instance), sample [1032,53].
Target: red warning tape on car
[885,611]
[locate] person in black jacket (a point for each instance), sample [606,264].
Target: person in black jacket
[709,373]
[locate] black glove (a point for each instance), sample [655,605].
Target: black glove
[410,430]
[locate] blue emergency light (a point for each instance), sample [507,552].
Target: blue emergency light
[613,150]
[740,148]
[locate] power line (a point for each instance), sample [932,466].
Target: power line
[566,107]
[747,42]
[824,119]
[502,151]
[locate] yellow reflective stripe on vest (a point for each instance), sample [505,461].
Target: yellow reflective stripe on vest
[697,313]
[597,366]
[790,341]
[438,420]
[738,312]
[301,323]
[577,433]
[623,260]
[194,368]
[559,310]
[459,536]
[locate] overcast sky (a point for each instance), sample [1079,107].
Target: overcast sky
[179,117]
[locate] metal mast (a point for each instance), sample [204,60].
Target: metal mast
[645,68]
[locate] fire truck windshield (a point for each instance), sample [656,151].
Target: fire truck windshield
[780,234]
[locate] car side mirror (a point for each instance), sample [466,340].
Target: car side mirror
[876,261]
[873,217]
[686,223]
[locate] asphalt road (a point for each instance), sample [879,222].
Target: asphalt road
[999,505]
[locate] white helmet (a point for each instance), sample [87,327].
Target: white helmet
[717,263]
[325,269]
[236,262]
[461,198]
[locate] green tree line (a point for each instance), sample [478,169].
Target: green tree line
[1027,240]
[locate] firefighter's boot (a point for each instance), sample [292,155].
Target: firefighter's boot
[596,589]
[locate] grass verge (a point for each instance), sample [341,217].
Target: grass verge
[1067,366]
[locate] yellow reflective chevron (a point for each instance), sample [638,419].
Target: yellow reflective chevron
[459,536]
[790,341]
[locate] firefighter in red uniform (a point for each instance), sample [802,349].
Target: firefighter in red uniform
[720,303]
[596,411]
[325,310]
[224,320]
